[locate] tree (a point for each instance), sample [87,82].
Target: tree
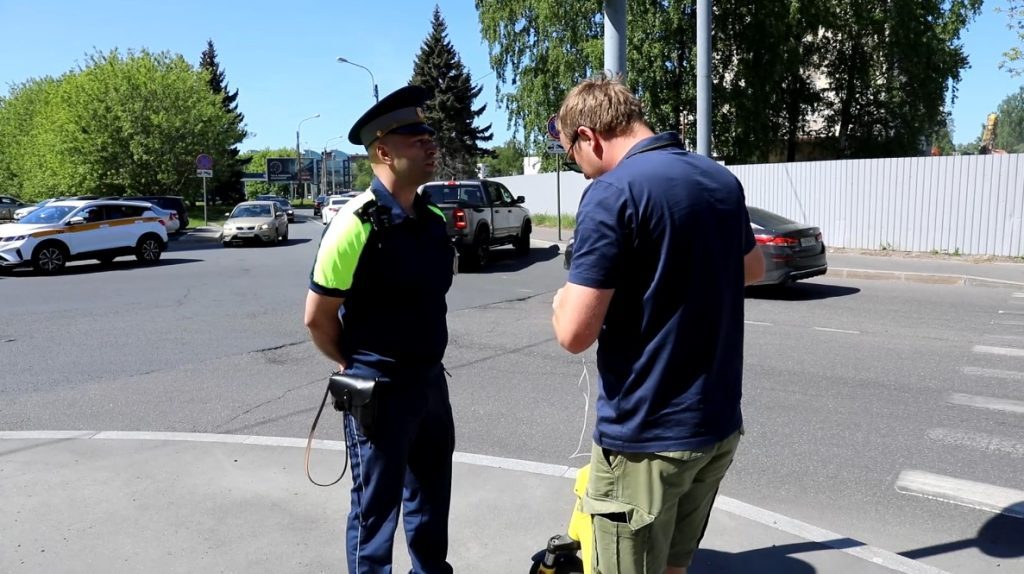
[852,78]
[505,160]
[227,181]
[1014,62]
[362,174]
[257,159]
[127,124]
[1010,130]
[450,109]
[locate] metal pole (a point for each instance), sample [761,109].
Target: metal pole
[298,163]
[558,197]
[704,77]
[615,37]
[206,222]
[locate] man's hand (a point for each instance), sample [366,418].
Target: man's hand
[578,315]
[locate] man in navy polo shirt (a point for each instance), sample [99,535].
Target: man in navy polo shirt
[663,251]
[376,306]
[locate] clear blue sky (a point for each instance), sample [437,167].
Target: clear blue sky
[281,55]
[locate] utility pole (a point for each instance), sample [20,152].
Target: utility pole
[704,77]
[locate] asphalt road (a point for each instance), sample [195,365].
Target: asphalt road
[850,385]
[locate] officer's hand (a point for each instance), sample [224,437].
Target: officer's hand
[554,302]
[342,367]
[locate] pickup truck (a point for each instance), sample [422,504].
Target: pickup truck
[480,214]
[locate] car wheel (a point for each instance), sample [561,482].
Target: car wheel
[50,258]
[522,243]
[226,243]
[148,249]
[285,236]
[478,253]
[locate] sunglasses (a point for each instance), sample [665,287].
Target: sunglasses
[569,162]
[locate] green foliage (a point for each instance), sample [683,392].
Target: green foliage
[128,124]
[362,174]
[547,220]
[855,78]
[257,161]
[450,110]
[1014,62]
[227,181]
[505,160]
[1010,130]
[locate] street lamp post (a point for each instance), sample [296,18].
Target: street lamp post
[298,152]
[332,164]
[345,61]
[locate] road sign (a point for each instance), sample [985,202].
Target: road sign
[553,132]
[555,147]
[204,165]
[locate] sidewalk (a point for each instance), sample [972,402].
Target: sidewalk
[891,266]
[173,502]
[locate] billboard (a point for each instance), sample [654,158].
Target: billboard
[282,170]
[307,169]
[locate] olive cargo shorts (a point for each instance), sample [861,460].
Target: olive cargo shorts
[650,509]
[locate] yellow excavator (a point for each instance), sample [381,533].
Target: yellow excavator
[988,137]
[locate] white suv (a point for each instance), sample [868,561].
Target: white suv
[63,231]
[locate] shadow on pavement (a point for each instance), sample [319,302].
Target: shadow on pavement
[1002,536]
[774,560]
[800,292]
[505,259]
[85,268]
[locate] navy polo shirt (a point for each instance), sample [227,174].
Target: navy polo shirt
[393,278]
[667,230]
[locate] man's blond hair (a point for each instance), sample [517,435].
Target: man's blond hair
[603,104]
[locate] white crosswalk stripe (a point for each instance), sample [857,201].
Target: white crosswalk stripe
[978,495]
[991,403]
[1007,351]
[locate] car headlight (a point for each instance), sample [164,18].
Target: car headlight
[264,227]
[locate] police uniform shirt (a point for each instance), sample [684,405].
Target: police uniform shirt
[393,274]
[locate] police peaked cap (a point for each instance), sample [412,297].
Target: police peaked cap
[400,112]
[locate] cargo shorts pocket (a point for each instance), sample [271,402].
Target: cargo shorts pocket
[618,548]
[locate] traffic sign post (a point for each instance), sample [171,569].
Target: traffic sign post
[553,132]
[204,169]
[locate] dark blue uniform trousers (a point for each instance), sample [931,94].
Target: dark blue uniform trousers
[407,465]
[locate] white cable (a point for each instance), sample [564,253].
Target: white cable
[586,410]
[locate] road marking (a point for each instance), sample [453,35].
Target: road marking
[762,516]
[991,403]
[1002,312]
[758,323]
[978,441]
[836,330]
[1006,351]
[1013,323]
[978,495]
[996,373]
[1005,337]
[824,537]
[1019,295]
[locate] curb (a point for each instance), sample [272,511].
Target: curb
[926,278]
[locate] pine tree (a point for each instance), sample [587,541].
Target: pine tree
[228,168]
[450,110]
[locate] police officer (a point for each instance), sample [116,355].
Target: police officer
[376,306]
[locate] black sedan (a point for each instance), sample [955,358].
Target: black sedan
[792,251]
[282,203]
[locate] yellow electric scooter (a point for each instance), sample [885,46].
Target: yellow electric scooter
[570,553]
